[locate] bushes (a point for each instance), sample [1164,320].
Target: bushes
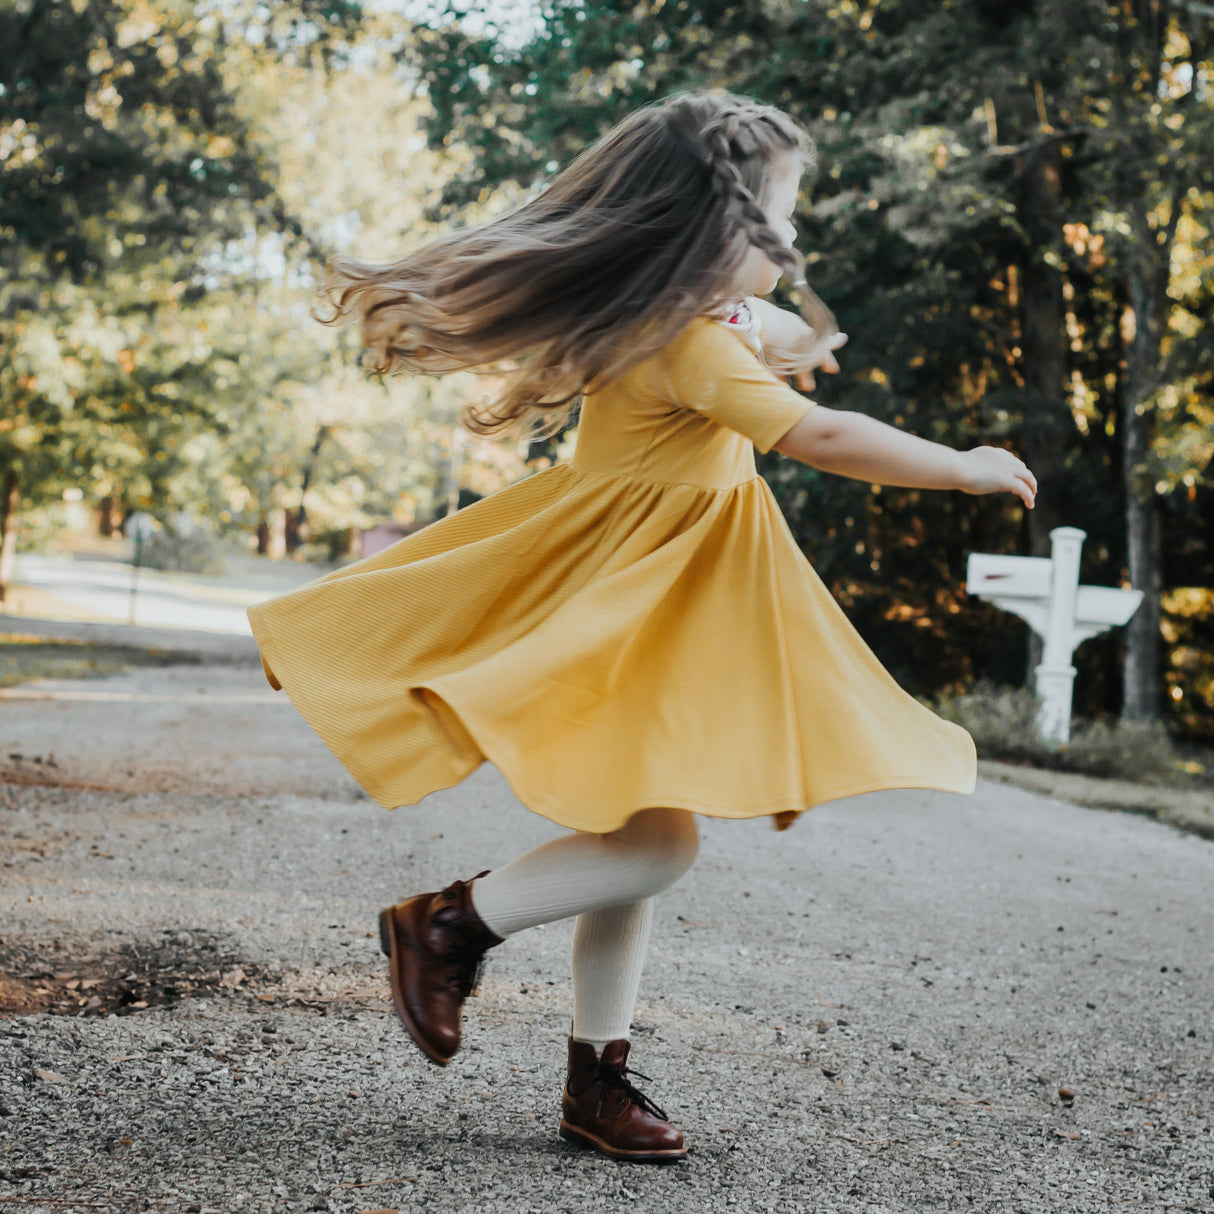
[1003,722]
[183,550]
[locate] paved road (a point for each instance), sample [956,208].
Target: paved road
[874,1011]
[102,590]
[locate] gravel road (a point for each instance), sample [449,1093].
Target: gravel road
[882,1009]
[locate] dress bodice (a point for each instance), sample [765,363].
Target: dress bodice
[692,414]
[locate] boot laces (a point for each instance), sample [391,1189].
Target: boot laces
[612,1078]
[465,964]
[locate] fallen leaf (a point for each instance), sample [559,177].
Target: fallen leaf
[370,1184]
[52,1077]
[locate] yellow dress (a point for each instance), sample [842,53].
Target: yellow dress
[633,628]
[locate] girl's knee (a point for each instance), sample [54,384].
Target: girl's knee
[663,842]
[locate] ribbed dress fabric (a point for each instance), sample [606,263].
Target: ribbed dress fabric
[634,628]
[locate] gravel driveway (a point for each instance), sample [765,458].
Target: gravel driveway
[882,1009]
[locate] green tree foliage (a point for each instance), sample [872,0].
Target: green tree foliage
[990,175]
[172,177]
[125,166]
[354,169]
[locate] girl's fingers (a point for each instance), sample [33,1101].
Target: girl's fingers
[1025,487]
[827,362]
[1027,482]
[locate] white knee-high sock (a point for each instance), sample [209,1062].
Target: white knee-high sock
[608,953]
[586,872]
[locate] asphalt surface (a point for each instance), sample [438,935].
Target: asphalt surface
[881,1009]
[109,589]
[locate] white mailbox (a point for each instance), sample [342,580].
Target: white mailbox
[1045,591]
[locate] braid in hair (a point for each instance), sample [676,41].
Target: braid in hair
[726,140]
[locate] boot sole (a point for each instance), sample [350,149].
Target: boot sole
[387,944]
[583,1138]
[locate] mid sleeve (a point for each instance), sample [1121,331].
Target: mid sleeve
[713,371]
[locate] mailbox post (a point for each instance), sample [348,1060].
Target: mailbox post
[1045,591]
[139,527]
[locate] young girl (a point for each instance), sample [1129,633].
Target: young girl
[632,637]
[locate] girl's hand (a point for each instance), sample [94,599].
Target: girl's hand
[994,470]
[805,379]
[791,347]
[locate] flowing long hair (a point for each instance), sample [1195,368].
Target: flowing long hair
[642,232]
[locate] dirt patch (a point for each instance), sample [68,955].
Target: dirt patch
[1190,811]
[177,965]
[42,771]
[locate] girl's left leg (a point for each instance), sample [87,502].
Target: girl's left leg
[608,954]
[600,1107]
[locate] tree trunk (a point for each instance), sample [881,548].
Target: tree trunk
[1048,429]
[455,470]
[110,514]
[295,529]
[9,500]
[1146,285]
[297,522]
[276,545]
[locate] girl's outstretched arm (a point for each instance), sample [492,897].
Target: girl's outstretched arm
[855,445]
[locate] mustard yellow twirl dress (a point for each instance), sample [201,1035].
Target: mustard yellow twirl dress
[634,628]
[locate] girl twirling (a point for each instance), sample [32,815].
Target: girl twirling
[633,637]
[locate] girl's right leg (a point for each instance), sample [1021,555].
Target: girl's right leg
[585,872]
[435,941]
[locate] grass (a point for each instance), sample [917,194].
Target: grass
[24,658]
[1003,723]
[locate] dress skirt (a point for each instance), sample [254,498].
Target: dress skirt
[612,634]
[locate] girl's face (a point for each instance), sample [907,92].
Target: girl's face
[757,275]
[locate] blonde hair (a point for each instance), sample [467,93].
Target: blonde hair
[642,232]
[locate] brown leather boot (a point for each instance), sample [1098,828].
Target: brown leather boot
[601,1109]
[434,944]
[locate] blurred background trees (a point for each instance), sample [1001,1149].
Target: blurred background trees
[174,177]
[1010,218]
[1011,221]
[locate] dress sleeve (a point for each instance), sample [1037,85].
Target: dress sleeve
[713,371]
